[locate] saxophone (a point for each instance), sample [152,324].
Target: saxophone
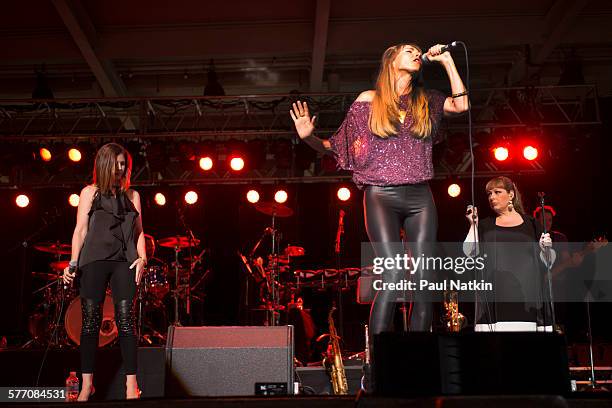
[454,320]
[333,359]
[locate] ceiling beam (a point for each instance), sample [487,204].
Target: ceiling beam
[83,33]
[319,45]
[559,19]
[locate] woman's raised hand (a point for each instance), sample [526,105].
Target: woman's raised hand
[304,124]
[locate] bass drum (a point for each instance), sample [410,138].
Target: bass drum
[73,320]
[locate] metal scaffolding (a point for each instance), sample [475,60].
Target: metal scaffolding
[179,128]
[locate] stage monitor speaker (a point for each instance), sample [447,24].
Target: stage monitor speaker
[229,361]
[471,363]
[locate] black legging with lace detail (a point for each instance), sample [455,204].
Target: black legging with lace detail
[387,209]
[94,278]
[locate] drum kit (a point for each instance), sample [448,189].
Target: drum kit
[280,282]
[56,318]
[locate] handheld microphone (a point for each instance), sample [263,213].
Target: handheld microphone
[425,57]
[469,210]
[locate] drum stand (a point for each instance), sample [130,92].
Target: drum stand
[273,314]
[175,293]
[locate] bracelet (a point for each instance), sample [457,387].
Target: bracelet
[459,94]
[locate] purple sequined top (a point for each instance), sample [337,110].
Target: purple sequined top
[395,160]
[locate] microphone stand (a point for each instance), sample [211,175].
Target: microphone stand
[339,234]
[547,257]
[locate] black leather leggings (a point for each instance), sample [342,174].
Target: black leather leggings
[387,210]
[93,280]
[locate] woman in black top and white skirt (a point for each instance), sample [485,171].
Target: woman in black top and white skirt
[513,263]
[108,244]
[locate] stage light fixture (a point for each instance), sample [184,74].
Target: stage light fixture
[530,153]
[501,153]
[454,190]
[280,196]
[73,200]
[206,163]
[22,201]
[160,199]
[344,194]
[253,196]
[191,197]
[237,163]
[74,154]
[45,154]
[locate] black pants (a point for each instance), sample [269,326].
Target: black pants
[93,281]
[387,210]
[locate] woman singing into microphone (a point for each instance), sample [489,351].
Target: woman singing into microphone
[108,244]
[386,140]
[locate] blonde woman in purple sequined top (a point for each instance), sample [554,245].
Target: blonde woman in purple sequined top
[386,140]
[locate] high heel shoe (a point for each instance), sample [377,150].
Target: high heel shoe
[92,391]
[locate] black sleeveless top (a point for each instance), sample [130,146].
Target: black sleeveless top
[110,236]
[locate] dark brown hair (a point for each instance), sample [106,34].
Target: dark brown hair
[105,165]
[508,185]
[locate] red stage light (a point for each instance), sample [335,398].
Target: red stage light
[74,155]
[280,196]
[253,196]
[191,197]
[22,201]
[160,199]
[500,153]
[344,194]
[237,163]
[530,153]
[74,199]
[206,163]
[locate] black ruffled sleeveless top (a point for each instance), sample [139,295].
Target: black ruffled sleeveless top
[110,236]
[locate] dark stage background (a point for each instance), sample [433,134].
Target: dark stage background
[576,183]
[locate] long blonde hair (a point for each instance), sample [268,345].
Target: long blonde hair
[385,115]
[104,167]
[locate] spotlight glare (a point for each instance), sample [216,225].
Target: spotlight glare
[500,153]
[237,163]
[191,197]
[206,163]
[454,190]
[74,155]
[253,196]
[45,154]
[280,196]
[22,201]
[530,153]
[73,200]
[160,199]
[344,194]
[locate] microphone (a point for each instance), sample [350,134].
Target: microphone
[425,57]
[469,209]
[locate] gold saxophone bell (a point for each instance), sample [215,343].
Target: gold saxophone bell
[455,321]
[333,360]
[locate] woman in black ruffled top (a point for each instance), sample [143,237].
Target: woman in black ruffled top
[108,245]
[514,264]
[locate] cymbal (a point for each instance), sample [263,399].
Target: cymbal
[178,241]
[294,251]
[59,266]
[54,247]
[273,209]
